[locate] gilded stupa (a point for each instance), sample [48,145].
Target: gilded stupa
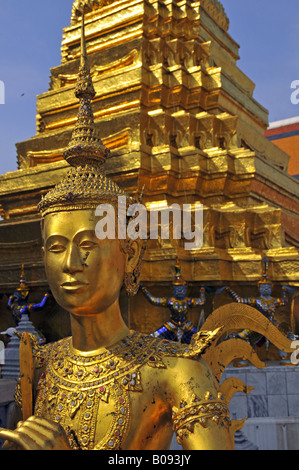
[180,120]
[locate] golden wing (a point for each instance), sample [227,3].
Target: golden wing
[231,318]
[237,317]
[220,356]
[231,386]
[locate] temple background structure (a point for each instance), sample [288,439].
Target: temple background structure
[285,135]
[180,118]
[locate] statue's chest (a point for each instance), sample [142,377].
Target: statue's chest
[90,396]
[96,416]
[179,306]
[267,306]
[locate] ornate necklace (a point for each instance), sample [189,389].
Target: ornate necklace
[73,385]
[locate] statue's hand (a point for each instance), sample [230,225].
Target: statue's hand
[220,289]
[288,289]
[36,434]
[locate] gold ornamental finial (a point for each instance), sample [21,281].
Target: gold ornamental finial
[85,185]
[84,87]
[85,6]
[179,281]
[265,276]
[22,285]
[85,146]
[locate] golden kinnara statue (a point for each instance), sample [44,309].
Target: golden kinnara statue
[106,387]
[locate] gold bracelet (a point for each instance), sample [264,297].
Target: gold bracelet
[200,411]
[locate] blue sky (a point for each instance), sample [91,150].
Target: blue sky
[31,33]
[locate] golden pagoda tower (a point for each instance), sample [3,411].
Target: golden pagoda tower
[180,119]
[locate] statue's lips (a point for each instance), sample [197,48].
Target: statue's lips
[74,285]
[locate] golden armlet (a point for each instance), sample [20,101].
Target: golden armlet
[199,411]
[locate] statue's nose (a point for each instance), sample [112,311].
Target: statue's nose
[73,262]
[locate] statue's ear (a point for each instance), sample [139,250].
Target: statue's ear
[133,254]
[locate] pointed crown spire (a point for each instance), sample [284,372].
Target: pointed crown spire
[85,145]
[265,276]
[84,86]
[85,185]
[22,285]
[179,281]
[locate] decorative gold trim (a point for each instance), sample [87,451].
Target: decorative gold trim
[200,411]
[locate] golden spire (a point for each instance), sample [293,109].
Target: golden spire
[85,146]
[265,276]
[84,86]
[179,281]
[85,185]
[22,286]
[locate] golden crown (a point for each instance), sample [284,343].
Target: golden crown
[23,287]
[179,281]
[265,277]
[85,185]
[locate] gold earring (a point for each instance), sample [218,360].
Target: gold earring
[132,278]
[131,282]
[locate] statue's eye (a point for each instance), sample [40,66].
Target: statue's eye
[87,245]
[56,248]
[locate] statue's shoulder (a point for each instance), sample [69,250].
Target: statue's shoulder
[181,368]
[159,350]
[42,352]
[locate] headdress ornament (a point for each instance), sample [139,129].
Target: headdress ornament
[22,285]
[85,185]
[179,281]
[265,277]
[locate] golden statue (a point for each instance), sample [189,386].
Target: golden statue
[106,387]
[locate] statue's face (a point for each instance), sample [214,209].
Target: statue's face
[266,290]
[21,295]
[85,274]
[179,292]
[24,294]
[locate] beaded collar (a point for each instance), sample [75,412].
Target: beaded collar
[71,386]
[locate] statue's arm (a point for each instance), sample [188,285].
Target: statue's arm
[35,434]
[41,304]
[10,302]
[198,301]
[200,414]
[157,301]
[237,298]
[284,298]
